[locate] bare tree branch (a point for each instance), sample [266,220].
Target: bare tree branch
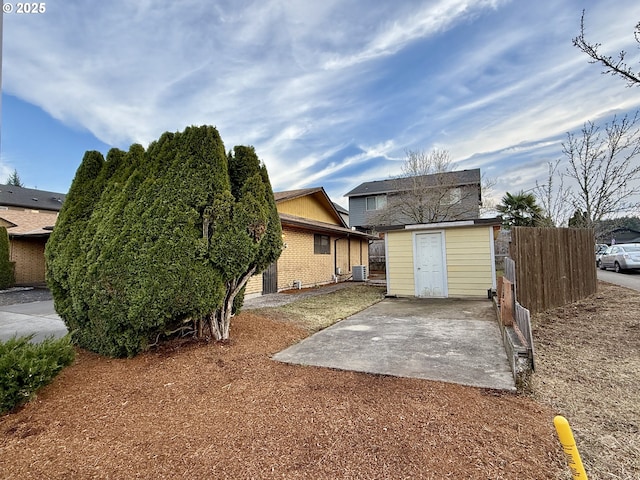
[552,197]
[605,167]
[428,191]
[612,66]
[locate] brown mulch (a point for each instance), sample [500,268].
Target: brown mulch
[199,410]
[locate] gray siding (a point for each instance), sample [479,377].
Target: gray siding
[467,209]
[357,210]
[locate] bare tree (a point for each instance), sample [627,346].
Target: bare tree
[613,66]
[429,191]
[605,166]
[487,204]
[419,162]
[552,197]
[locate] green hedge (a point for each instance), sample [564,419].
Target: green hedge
[25,367]
[7,268]
[152,241]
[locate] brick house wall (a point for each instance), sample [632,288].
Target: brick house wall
[298,261]
[28,255]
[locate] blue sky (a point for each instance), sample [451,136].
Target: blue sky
[330,93]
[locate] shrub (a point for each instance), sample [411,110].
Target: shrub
[150,242]
[25,367]
[7,278]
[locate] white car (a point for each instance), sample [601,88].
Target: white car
[625,256]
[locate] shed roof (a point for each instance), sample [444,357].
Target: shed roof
[476,222]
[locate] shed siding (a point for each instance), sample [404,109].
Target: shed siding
[400,278]
[469,266]
[308,207]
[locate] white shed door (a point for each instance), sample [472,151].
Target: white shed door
[429,265]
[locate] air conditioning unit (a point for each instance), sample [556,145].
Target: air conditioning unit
[359,273]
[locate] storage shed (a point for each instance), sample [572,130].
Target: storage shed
[441,260]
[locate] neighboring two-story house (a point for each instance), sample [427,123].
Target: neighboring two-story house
[29,216]
[421,199]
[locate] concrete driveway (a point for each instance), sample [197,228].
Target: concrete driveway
[39,318]
[448,340]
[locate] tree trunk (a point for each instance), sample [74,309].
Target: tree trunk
[220,320]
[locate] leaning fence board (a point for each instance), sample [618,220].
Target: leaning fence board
[523,321]
[507,303]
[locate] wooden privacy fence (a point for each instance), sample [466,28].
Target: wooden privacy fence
[553,266]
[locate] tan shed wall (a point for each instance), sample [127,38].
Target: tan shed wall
[400,278]
[469,265]
[468,257]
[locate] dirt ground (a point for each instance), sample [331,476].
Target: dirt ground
[588,370]
[208,410]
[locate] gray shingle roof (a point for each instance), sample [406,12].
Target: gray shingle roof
[460,177]
[30,198]
[340,208]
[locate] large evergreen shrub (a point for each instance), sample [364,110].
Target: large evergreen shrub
[155,248]
[7,268]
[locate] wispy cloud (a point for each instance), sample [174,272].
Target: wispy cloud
[328,92]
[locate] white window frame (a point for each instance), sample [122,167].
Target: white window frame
[380,202]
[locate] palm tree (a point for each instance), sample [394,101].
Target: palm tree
[520,210]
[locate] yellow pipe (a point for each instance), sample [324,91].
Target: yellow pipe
[569,446]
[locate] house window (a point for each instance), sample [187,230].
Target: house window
[453,196]
[377,202]
[321,245]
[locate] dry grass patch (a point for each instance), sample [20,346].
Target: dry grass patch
[322,311]
[588,369]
